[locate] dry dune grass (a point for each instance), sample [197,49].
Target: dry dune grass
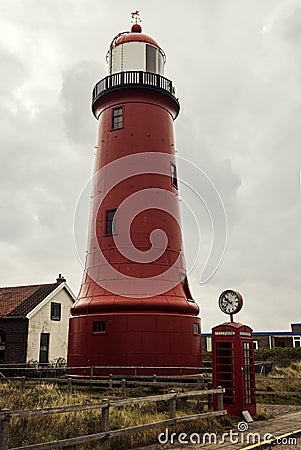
[293,371]
[62,426]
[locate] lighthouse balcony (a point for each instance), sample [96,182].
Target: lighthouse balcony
[133,78]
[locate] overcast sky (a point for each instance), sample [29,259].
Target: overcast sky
[236,65]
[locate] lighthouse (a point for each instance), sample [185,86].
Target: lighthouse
[135,308]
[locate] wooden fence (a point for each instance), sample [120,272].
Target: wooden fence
[112,382]
[48,371]
[6,416]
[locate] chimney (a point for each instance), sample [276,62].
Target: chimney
[60,279]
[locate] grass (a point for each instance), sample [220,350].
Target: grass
[293,371]
[62,426]
[275,386]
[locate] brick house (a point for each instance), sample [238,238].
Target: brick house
[34,322]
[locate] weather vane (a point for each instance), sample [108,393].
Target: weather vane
[135,17]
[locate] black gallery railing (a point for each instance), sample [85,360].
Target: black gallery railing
[133,78]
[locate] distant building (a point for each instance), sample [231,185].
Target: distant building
[267,339]
[34,322]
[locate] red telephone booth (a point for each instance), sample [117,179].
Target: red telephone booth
[233,366]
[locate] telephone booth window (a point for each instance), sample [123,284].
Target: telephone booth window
[249,376]
[225,365]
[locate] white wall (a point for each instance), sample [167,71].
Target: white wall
[40,322]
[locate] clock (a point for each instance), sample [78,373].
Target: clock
[230,302]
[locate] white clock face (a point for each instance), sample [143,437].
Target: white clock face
[230,302]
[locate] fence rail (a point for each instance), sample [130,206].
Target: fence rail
[40,371]
[105,433]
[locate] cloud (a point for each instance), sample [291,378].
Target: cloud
[239,89]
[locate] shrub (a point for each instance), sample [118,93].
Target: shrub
[282,357]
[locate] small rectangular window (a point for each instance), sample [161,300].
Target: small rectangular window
[117,118]
[55,313]
[196,328]
[99,327]
[174,178]
[44,348]
[111,221]
[151,58]
[209,344]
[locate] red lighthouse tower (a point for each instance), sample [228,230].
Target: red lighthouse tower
[134,307]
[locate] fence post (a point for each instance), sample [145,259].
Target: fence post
[22,383]
[105,421]
[220,400]
[4,429]
[200,382]
[173,405]
[210,398]
[154,378]
[105,416]
[110,381]
[70,385]
[123,388]
[91,378]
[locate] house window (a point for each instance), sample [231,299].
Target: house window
[117,118]
[99,327]
[44,348]
[196,328]
[174,178]
[2,344]
[296,341]
[209,344]
[55,313]
[111,222]
[255,343]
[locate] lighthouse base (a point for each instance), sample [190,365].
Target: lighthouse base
[111,343]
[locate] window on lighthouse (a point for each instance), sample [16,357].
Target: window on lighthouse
[154,59]
[111,222]
[174,178]
[117,118]
[99,327]
[150,58]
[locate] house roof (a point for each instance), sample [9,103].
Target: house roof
[20,300]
